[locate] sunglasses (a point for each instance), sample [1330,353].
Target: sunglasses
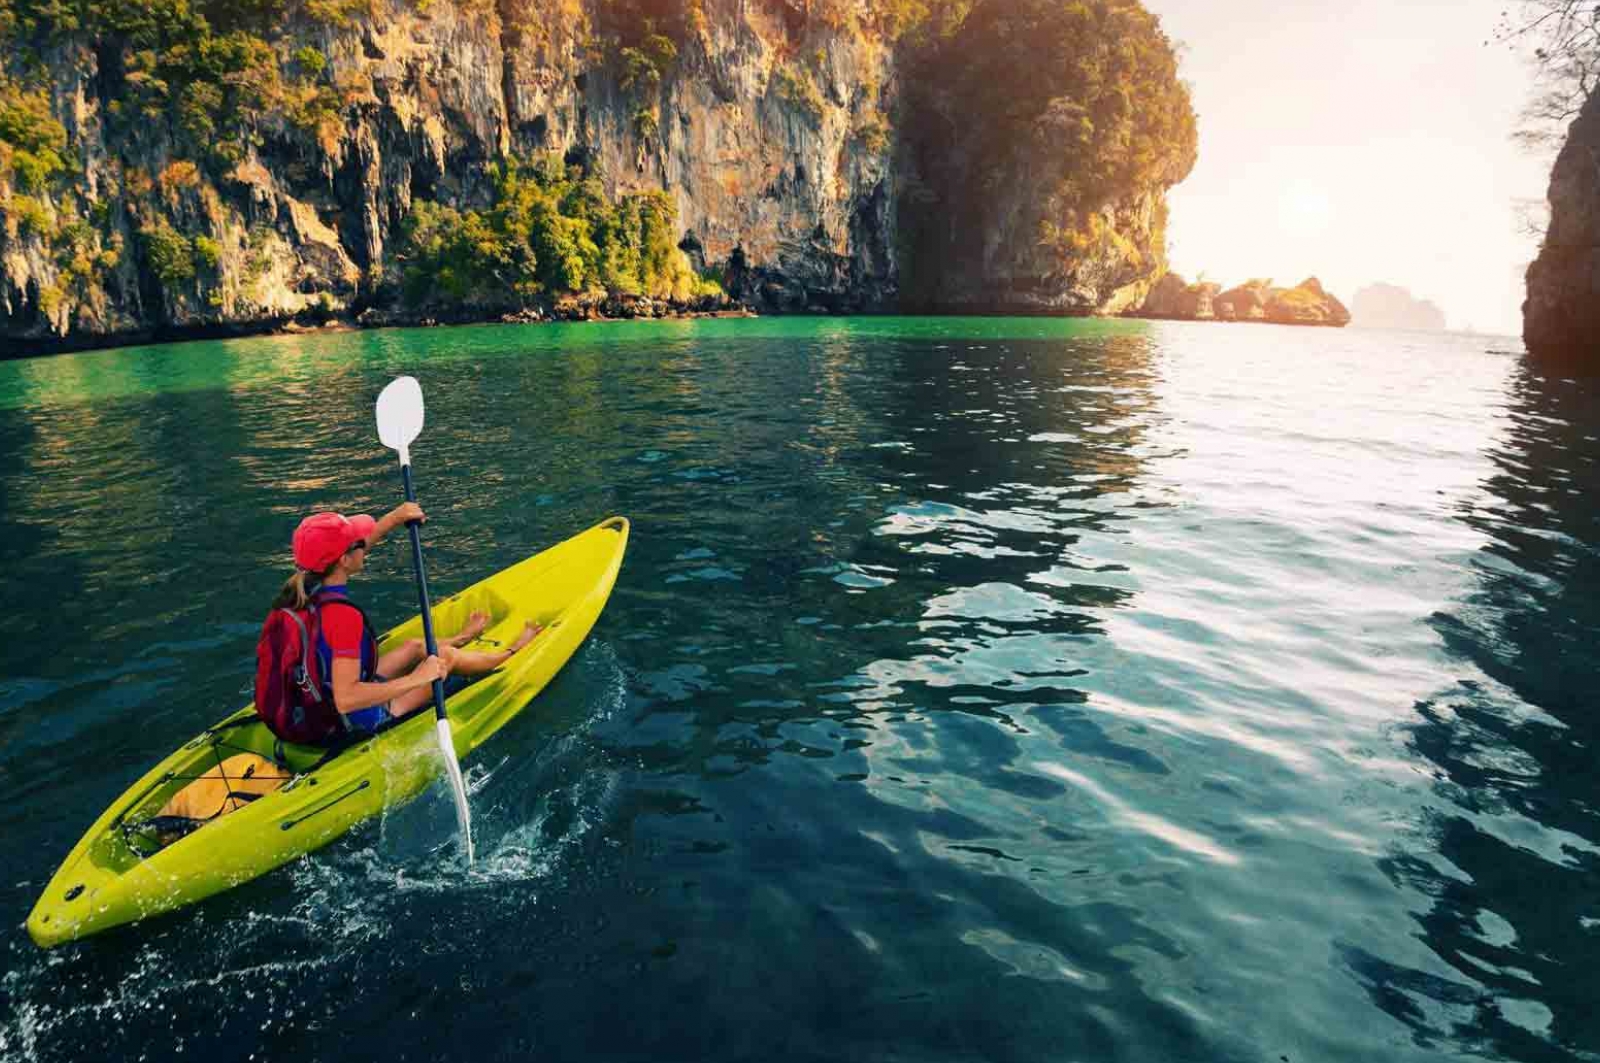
[359,544]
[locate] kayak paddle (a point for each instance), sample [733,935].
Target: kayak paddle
[399,423]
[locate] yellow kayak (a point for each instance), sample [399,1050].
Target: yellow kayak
[119,873]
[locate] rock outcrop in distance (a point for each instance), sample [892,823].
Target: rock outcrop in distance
[188,169]
[1561,314]
[1307,303]
[1391,306]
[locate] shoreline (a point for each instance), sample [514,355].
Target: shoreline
[367,320]
[566,312]
[1215,320]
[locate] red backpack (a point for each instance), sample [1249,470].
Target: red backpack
[289,695]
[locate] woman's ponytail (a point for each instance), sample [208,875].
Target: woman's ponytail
[296,592]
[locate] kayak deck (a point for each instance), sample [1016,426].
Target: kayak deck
[107,880]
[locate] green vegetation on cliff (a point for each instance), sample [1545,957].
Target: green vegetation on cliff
[33,145]
[552,231]
[207,70]
[169,253]
[207,84]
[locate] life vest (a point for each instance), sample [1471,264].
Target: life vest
[324,649]
[293,695]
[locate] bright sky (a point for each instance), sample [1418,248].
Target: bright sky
[1356,142]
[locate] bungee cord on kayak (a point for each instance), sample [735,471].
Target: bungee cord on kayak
[236,781]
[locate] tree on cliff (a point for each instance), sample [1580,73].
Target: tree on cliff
[1097,82]
[1564,36]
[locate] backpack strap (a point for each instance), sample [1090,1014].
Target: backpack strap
[302,677]
[320,598]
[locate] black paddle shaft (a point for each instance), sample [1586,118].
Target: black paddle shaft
[422,591]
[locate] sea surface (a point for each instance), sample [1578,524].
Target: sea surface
[974,689]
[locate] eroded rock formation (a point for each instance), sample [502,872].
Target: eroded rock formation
[1256,300]
[1561,315]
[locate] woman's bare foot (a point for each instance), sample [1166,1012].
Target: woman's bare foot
[476,623]
[529,630]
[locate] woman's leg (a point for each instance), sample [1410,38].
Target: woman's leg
[465,662]
[411,701]
[406,656]
[460,662]
[474,627]
[400,660]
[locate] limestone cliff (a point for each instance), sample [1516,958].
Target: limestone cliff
[1039,143]
[1175,299]
[1561,315]
[212,182]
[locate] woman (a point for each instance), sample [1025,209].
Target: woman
[330,548]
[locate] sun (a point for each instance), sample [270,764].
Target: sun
[1305,210]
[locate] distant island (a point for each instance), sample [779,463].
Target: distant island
[1391,306]
[1307,303]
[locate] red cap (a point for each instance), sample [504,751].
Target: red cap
[322,538]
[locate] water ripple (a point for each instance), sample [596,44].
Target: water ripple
[986,688]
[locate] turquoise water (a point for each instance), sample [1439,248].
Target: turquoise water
[974,689]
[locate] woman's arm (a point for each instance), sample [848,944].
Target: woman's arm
[350,694]
[396,517]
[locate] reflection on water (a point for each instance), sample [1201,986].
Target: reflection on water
[974,689]
[1512,875]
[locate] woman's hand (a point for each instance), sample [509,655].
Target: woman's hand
[406,512]
[394,519]
[429,670]
[397,516]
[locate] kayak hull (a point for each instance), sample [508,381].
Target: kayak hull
[105,882]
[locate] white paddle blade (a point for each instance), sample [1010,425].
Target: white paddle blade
[400,415]
[458,785]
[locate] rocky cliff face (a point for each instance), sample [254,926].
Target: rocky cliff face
[777,180]
[1561,315]
[773,127]
[1038,147]
[1173,298]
